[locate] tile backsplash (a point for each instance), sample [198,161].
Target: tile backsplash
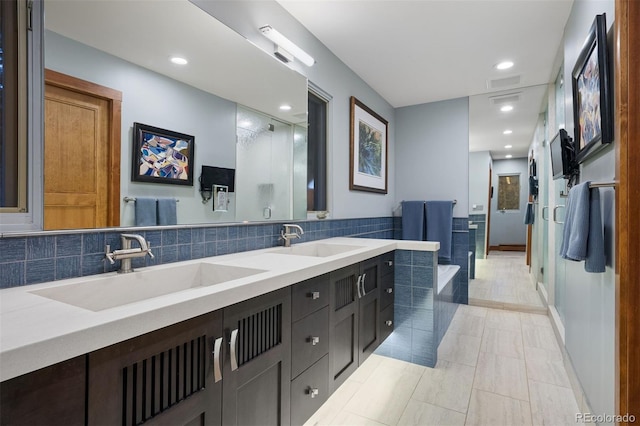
[40,258]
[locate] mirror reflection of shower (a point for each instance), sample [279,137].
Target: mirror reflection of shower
[269,159]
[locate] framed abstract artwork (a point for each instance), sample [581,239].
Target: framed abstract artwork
[161,156]
[592,110]
[368,149]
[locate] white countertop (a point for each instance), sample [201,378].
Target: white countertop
[36,331]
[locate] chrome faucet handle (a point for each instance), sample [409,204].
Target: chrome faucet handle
[149,252]
[289,226]
[108,255]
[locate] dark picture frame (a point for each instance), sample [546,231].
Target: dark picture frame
[592,110]
[369,147]
[162,156]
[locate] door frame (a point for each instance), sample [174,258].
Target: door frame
[487,236]
[114,100]
[627,269]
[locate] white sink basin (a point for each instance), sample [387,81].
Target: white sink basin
[97,294]
[316,250]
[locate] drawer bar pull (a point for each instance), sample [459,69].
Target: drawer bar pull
[314,340]
[315,295]
[358,286]
[389,262]
[389,290]
[217,370]
[313,392]
[232,344]
[389,323]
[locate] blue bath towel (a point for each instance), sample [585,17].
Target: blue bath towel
[582,237]
[529,215]
[146,211]
[440,227]
[167,214]
[413,220]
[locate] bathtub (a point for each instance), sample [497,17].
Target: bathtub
[445,275]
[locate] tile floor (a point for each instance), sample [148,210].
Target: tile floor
[502,281]
[495,367]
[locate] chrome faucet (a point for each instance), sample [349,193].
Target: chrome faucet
[127,253]
[287,234]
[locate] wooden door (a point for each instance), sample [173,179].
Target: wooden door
[81,154]
[257,372]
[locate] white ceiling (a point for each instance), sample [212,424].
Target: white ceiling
[414,52]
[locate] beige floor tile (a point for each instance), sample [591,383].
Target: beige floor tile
[535,319]
[503,320]
[459,348]
[345,418]
[501,375]
[540,337]
[502,342]
[469,325]
[447,385]
[552,405]
[489,409]
[471,310]
[421,413]
[336,402]
[546,371]
[531,353]
[385,394]
[367,368]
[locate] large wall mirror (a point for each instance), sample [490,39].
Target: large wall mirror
[126,46]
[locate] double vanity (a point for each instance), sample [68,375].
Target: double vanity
[258,337]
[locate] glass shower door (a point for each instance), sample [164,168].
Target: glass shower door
[560,188]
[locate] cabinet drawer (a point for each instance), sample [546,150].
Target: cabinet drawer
[386,291]
[309,296]
[387,263]
[386,322]
[309,391]
[309,340]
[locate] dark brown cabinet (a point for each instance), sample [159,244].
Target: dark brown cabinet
[168,376]
[53,395]
[257,372]
[368,309]
[387,288]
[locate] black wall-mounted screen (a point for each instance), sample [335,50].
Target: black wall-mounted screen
[562,155]
[217,176]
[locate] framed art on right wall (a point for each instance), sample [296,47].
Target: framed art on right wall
[592,111]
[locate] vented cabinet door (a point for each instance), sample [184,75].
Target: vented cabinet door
[257,369]
[369,309]
[163,377]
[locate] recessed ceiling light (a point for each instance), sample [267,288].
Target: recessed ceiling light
[508,146]
[285,107]
[506,108]
[504,65]
[507,132]
[179,61]
[508,156]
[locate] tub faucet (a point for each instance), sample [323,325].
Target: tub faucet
[287,234]
[127,253]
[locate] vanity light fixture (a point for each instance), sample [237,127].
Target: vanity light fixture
[508,146]
[507,132]
[506,108]
[508,156]
[285,47]
[179,61]
[504,65]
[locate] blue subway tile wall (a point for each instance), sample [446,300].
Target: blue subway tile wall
[62,255]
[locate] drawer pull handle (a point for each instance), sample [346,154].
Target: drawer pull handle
[217,370]
[314,340]
[232,344]
[389,290]
[363,290]
[358,286]
[315,295]
[389,323]
[313,392]
[389,262]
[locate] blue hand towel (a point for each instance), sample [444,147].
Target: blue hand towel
[529,215]
[167,214]
[582,237]
[146,211]
[413,220]
[440,227]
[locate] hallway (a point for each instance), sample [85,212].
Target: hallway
[502,281]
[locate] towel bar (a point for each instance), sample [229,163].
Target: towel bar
[127,199]
[603,184]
